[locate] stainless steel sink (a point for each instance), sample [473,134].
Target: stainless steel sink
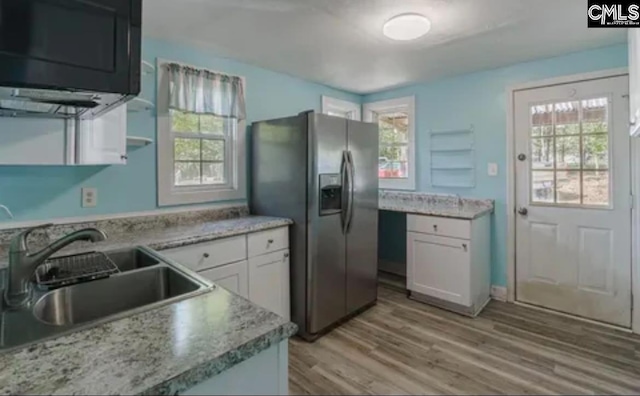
[146,281]
[94,300]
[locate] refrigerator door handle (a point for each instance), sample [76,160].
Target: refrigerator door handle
[351,176]
[345,196]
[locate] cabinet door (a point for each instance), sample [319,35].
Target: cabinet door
[439,267]
[103,140]
[269,282]
[232,277]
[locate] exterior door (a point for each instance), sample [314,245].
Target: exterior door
[573,194]
[362,235]
[325,240]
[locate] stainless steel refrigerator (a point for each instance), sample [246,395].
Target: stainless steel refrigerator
[322,172]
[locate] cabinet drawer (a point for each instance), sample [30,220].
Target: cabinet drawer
[268,241]
[210,254]
[233,277]
[455,228]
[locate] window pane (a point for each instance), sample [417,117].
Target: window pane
[542,115]
[545,130]
[568,152]
[393,162]
[568,187]
[542,153]
[394,128]
[596,151]
[213,173]
[187,149]
[184,122]
[567,118]
[211,124]
[187,173]
[212,150]
[595,110]
[596,188]
[542,187]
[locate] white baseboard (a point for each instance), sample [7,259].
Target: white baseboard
[499,293]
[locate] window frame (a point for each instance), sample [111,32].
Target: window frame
[330,104]
[235,167]
[408,105]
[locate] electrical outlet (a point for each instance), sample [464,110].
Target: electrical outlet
[89,197]
[492,169]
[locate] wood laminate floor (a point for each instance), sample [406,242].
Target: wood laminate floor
[405,347]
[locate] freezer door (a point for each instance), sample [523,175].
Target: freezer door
[362,236]
[326,241]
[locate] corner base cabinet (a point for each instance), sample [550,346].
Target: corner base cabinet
[448,262]
[254,266]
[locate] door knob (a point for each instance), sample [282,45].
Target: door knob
[523,211]
[522,157]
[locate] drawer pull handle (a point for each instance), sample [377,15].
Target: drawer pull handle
[464,246]
[206,255]
[270,241]
[435,227]
[286,255]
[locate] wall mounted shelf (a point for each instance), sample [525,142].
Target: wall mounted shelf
[453,158]
[137,141]
[138,104]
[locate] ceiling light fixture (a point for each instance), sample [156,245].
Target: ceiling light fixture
[406,27]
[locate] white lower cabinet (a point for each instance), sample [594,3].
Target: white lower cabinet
[448,262]
[269,282]
[233,277]
[254,266]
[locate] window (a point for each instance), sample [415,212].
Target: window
[200,155]
[201,148]
[570,153]
[396,122]
[341,108]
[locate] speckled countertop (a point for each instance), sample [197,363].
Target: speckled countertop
[434,204]
[162,351]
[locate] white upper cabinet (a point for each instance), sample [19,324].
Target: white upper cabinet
[634,81]
[103,140]
[41,141]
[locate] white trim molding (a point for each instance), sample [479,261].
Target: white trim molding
[511,186]
[407,104]
[332,105]
[168,194]
[499,293]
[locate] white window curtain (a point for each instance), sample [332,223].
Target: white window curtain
[205,92]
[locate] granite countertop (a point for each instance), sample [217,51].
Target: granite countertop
[160,238]
[161,351]
[434,204]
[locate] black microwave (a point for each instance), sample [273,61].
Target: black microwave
[71,45]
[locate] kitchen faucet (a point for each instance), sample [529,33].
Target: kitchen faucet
[22,264]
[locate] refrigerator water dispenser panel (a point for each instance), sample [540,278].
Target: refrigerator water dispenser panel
[330,194]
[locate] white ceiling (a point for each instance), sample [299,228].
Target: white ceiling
[340,42]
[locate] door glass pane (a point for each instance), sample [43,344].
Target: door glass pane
[542,153]
[542,187]
[596,188]
[595,115]
[567,118]
[568,187]
[596,151]
[568,152]
[187,173]
[393,162]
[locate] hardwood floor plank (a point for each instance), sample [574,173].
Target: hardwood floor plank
[402,346]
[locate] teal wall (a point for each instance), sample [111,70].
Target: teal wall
[39,192]
[479,99]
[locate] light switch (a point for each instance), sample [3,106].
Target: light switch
[492,169]
[89,197]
